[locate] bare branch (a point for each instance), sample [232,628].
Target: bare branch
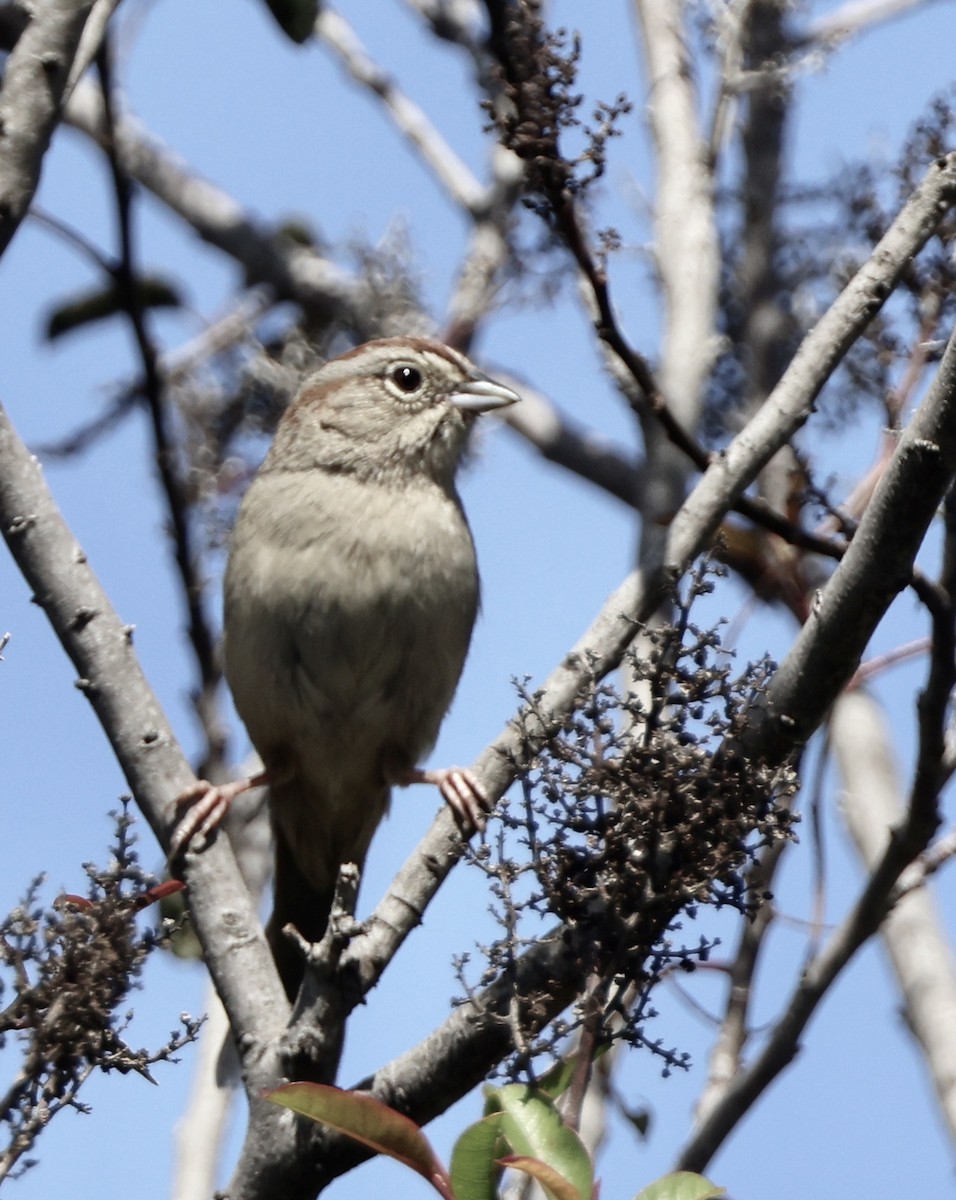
[202,1128]
[876,566]
[93,37]
[456,21]
[110,676]
[462,188]
[686,236]
[913,932]
[34,82]
[293,271]
[809,681]
[858,16]
[174,365]
[583,453]
[186,552]
[488,253]
[730,18]
[727,1051]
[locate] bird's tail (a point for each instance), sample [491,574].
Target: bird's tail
[298,902]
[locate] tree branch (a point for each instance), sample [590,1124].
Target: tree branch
[857,17]
[100,647]
[916,942]
[458,182]
[293,271]
[34,83]
[875,568]
[877,565]
[186,554]
[686,253]
[601,648]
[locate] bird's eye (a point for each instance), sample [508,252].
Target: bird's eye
[406,378]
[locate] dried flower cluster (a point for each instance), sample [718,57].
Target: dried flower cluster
[638,813]
[538,102]
[72,966]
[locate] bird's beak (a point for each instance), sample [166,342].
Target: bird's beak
[480,395]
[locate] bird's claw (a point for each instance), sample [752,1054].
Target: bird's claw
[465,796]
[459,788]
[203,806]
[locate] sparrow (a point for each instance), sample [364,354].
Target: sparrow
[351,592]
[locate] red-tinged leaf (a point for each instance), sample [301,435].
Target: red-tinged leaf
[553,1182]
[681,1185]
[370,1122]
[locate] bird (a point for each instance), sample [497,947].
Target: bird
[350,596]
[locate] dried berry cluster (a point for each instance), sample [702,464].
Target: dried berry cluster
[72,966]
[638,813]
[537,72]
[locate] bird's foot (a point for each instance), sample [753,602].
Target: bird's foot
[460,790]
[203,807]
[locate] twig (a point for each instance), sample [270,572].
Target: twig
[94,35]
[880,662]
[173,366]
[920,872]
[583,453]
[856,17]
[460,185]
[294,272]
[453,21]
[730,20]
[488,251]
[734,1033]
[914,935]
[74,237]
[165,451]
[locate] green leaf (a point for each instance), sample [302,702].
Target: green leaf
[681,1185]
[296,18]
[85,308]
[534,1129]
[474,1169]
[553,1182]
[368,1121]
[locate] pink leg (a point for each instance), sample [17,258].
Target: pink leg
[460,790]
[204,805]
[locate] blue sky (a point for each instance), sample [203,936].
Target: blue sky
[279,130]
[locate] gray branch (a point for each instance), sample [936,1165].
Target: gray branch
[109,675]
[919,950]
[34,82]
[99,645]
[876,566]
[601,648]
[293,271]
[449,171]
